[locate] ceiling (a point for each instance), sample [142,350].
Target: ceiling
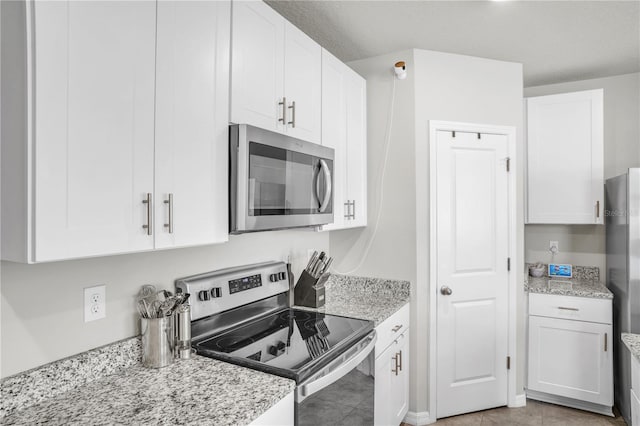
[557,41]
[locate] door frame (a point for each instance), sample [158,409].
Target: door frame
[510,133]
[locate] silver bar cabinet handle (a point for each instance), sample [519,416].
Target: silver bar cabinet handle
[147,226]
[284,111]
[169,202]
[605,342]
[395,360]
[400,364]
[293,114]
[564,308]
[598,209]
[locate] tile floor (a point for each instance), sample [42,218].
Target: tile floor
[535,413]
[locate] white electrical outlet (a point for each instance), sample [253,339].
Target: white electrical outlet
[95,306]
[553,247]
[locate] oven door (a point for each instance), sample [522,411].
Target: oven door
[342,392]
[282,182]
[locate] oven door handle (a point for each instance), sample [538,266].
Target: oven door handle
[327,186]
[342,367]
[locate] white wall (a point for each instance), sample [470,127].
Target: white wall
[41,308]
[440,86]
[475,90]
[585,244]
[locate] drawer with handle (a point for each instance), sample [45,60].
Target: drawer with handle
[391,328]
[571,307]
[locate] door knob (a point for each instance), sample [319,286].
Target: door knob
[445,290]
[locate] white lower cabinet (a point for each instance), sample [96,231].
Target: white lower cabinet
[392,369]
[571,359]
[635,409]
[635,391]
[281,414]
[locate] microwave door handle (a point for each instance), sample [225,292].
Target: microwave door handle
[367,345]
[327,188]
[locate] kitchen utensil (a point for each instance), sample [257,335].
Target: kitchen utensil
[157,341]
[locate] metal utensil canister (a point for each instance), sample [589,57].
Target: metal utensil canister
[183,332]
[158,341]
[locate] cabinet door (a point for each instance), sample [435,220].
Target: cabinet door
[635,409]
[281,414]
[356,90]
[392,383]
[383,405]
[302,84]
[257,65]
[334,132]
[571,359]
[399,392]
[192,82]
[94,124]
[565,158]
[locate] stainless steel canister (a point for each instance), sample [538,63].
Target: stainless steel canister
[158,341]
[183,332]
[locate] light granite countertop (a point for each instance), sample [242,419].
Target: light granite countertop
[632,341]
[567,287]
[199,391]
[373,299]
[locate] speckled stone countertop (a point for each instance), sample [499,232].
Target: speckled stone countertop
[199,391]
[567,287]
[373,299]
[633,343]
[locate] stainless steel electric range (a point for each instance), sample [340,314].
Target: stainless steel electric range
[240,315]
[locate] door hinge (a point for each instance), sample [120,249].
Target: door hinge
[479,136]
[508,363]
[508,263]
[508,163]
[453,134]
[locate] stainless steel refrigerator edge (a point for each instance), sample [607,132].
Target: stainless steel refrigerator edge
[622,220]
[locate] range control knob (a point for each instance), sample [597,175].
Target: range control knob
[273,278]
[272,350]
[281,345]
[203,295]
[282,275]
[216,292]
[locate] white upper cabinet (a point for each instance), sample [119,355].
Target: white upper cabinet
[93,141]
[91,174]
[344,129]
[192,98]
[302,84]
[565,182]
[257,65]
[275,72]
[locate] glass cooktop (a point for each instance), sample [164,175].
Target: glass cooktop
[291,343]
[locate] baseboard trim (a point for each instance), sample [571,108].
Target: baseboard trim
[570,402]
[519,401]
[418,419]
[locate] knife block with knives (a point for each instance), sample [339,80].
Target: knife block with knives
[309,290]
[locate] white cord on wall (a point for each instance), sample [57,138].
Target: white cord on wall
[365,253]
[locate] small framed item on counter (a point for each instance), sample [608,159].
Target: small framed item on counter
[557,270]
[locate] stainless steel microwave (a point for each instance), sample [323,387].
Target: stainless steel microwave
[277,182]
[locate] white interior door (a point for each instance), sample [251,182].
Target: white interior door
[472,253]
